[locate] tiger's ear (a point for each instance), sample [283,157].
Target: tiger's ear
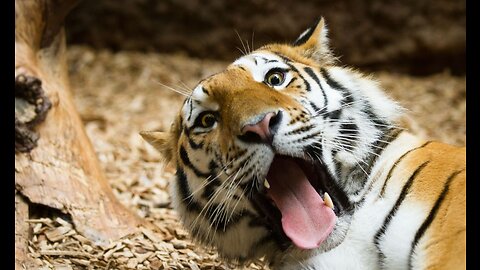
[161,141]
[313,43]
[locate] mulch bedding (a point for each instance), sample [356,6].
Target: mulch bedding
[120,94]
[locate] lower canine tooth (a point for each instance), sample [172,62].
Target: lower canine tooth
[327,200]
[266,184]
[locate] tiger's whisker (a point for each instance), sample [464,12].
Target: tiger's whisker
[241,41]
[173,89]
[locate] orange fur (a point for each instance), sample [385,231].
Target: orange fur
[440,185]
[445,239]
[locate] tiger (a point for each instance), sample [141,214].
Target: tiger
[288,157]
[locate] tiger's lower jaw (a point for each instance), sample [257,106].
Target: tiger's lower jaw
[259,233]
[304,209]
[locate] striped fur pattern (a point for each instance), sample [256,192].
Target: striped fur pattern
[399,200]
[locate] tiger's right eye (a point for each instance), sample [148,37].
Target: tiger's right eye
[208,120]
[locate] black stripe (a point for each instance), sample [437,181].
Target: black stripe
[191,110]
[184,191]
[248,186]
[299,130]
[431,216]
[212,166]
[312,74]
[350,130]
[195,145]
[205,91]
[293,68]
[381,144]
[393,211]
[317,110]
[380,124]
[186,131]
[336,85]
[289,64]
[229,158]
[186,160]
[306,137]
[266,60]
[378,148]
[178,130]
[223,222]
[291,81]
[263,58]
[284,58]
[334,115]
[337,166]
[307,84]
[245,161]
[382,192]
[313,151]
[245,172]
[211,183]
[303,39]
[346,101]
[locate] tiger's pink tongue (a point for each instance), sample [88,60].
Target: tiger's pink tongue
[306,220]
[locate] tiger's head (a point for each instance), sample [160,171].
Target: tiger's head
[273,153]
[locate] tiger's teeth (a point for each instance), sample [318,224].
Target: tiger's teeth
[327,200]
[266,184]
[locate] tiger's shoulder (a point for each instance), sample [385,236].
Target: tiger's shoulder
[441,185]
[431,177]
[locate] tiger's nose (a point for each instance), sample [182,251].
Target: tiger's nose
[263,130]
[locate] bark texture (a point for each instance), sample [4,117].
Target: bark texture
[22,261]
[60,169]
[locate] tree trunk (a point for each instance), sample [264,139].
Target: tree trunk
[21,234]
[55,163]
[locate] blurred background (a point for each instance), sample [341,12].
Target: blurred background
[121,52]
[418,37]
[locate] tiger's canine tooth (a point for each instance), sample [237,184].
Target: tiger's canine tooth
[266,184]
[327,200]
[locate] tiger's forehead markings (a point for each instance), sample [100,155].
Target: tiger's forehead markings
[259,63]
[201,99]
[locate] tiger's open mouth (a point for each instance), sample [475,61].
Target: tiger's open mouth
[300,201]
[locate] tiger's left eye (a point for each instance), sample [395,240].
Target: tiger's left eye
[275,77]
[208,120]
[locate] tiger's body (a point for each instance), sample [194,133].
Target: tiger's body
[286,155]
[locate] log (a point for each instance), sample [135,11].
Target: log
[55,163]
[22,261]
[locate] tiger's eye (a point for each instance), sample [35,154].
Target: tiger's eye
[208,120]
[275,78]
